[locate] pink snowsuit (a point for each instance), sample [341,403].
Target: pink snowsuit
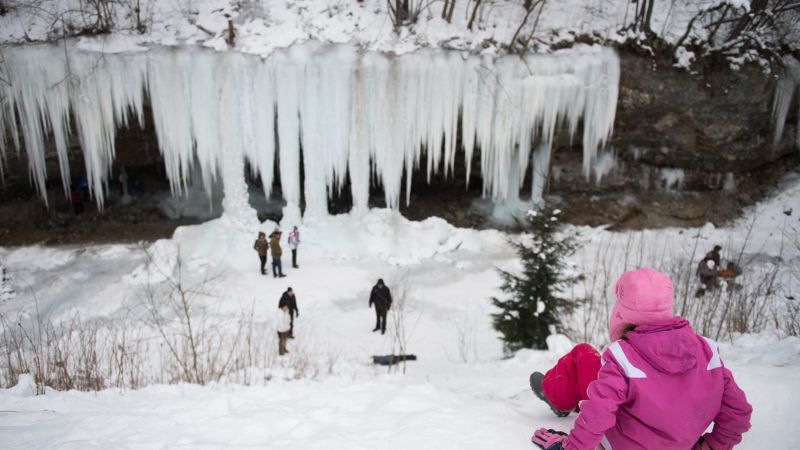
[659,388]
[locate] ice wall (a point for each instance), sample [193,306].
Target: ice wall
[788,84]
[338,112]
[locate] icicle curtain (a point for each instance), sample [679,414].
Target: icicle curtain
[358,113]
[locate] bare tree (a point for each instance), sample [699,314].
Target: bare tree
[447,10]
[730,29]
[405,12]
[533,8]
[399,312]
[194,344]
[474,14]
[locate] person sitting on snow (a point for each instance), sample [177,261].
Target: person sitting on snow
[713,255]
[729,274]
[660,387]
[730,271]
[707,271]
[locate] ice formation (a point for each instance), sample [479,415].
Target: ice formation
[331,110]
[672,178]
[788,84]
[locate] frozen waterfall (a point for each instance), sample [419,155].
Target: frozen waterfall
[788,83]
[338,112]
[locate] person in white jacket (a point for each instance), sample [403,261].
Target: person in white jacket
[294,242]
[284,325]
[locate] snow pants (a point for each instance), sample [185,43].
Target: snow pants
[565,384]
[380,319]
[277,267]
[282,337]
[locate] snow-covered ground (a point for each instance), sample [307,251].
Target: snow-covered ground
[461,393]
[265,25]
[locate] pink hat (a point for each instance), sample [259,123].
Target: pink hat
[643,296]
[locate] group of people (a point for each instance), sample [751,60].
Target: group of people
[709,272]
[380,296]
[658,385]
[273,246]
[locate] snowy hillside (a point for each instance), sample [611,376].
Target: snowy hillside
[261,26]
[461,393]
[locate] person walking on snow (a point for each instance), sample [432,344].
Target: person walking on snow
[660,386]
[261,247]
[284,327]
[275,247]
[382,298]
[289,300]
[294,242]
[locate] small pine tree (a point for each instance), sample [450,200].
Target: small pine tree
[536,304]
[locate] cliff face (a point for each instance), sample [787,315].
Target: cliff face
[686,149]
[689,148]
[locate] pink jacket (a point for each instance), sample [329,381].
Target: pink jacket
[659,388]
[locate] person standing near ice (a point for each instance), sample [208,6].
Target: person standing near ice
[277,252]
[261,247]
[77,201]
[660,387]
[294,242]
[284,329]
[381,297]
[290,301]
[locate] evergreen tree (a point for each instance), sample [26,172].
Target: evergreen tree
[537,304]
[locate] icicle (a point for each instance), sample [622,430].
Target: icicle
[358,158]
[362,114]
[288,80]
[788,83]
[260,151]
[540,172]
[325,116]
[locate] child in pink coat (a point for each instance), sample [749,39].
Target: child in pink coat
[660,385]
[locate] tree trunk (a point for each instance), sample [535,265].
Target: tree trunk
[474,13]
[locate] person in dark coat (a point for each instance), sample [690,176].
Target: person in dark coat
[261,247]
[713,255]
[382,299]
[289,300]
[277,252]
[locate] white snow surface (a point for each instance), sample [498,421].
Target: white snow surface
[454,396]
[262,26]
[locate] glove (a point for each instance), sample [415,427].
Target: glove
[702,445]
[549,439]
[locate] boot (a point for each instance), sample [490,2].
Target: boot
[536,387]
